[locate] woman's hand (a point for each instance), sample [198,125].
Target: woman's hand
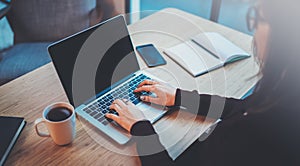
[129,114]
[165,94]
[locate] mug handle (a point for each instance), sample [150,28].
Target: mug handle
[36,123]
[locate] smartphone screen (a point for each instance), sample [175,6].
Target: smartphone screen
[151,55]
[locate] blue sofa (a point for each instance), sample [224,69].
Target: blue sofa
[36,24]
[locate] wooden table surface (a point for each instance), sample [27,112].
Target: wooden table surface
[28,95]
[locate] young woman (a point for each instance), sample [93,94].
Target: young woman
[268,134]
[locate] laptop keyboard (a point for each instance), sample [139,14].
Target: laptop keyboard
[101,106]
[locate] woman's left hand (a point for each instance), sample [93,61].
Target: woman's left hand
[129,114]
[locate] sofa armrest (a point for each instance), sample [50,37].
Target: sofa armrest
[4,11]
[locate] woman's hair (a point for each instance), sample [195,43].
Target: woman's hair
[281,70]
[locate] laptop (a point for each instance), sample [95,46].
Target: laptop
[97,66]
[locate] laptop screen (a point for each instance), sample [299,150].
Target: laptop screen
[91,61]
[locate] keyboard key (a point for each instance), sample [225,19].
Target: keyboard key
[105,122]
[132,99]
[93,113]
[113,112]
[121,95]
[136,101]
[87,110]
[109,120]
[104,111]
[98,115]
[101,119]
[101,102]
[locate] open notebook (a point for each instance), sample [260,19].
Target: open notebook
[205,52]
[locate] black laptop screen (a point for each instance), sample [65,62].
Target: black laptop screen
[91,61]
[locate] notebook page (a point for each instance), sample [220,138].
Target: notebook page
[193,58]
[219,45]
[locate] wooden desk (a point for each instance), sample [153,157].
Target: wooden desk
[29,94]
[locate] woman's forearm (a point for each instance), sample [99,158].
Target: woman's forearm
[149,148]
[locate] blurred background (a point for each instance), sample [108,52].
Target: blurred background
[28,27]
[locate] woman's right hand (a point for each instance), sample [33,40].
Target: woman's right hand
[165,94]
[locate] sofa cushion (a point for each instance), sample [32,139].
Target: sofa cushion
[21,59]
[48,20]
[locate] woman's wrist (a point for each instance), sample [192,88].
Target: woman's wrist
[142,128]
[177,101]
